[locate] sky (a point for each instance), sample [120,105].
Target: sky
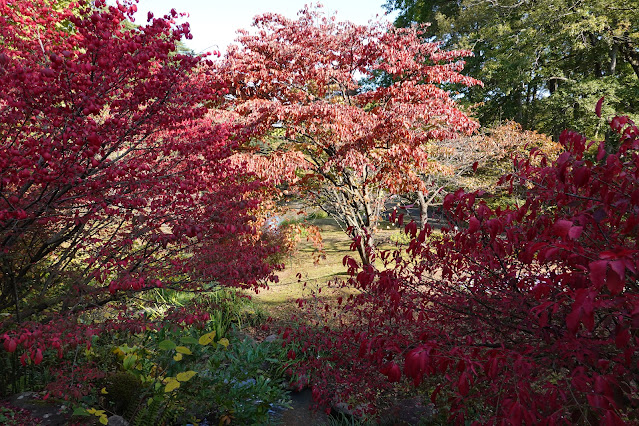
[214,22]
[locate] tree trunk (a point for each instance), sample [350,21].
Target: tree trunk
[598,69]
[424,203]
[613,59]
[629,52]
[365,245]
[423,209]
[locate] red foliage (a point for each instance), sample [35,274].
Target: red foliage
[307,90]
[527,314]
[113,179]
[16,415]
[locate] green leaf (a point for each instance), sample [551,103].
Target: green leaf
[126,349]
[129,361]
[166,345]
[188,340]
[156,398]
[80,411]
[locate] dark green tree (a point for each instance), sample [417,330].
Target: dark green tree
[544,63]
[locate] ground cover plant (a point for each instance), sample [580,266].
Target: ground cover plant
[520,315]
[180,372]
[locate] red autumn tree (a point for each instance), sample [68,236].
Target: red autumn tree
[113,180]
[296,87]
[526,315]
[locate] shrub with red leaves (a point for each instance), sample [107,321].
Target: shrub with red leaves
[520,315]
[113,179]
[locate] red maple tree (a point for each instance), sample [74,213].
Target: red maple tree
[113,179]
[299,90]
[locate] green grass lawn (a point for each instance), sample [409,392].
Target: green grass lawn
[279,300]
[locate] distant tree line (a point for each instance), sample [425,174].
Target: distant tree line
[544,63]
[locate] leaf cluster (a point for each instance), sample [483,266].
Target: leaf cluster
[524,314]
[543,63]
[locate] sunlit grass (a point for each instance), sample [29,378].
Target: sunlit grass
[303,275]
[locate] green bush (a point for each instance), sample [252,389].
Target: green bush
[246,381]
[179,373]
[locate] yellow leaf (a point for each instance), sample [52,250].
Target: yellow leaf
[104,420]
[177,357]
[171,385]
[185,376]
[207,338]
[183,350]
[103,391]
[91,410]
[224,342]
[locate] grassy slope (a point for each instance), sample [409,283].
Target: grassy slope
[279,300]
